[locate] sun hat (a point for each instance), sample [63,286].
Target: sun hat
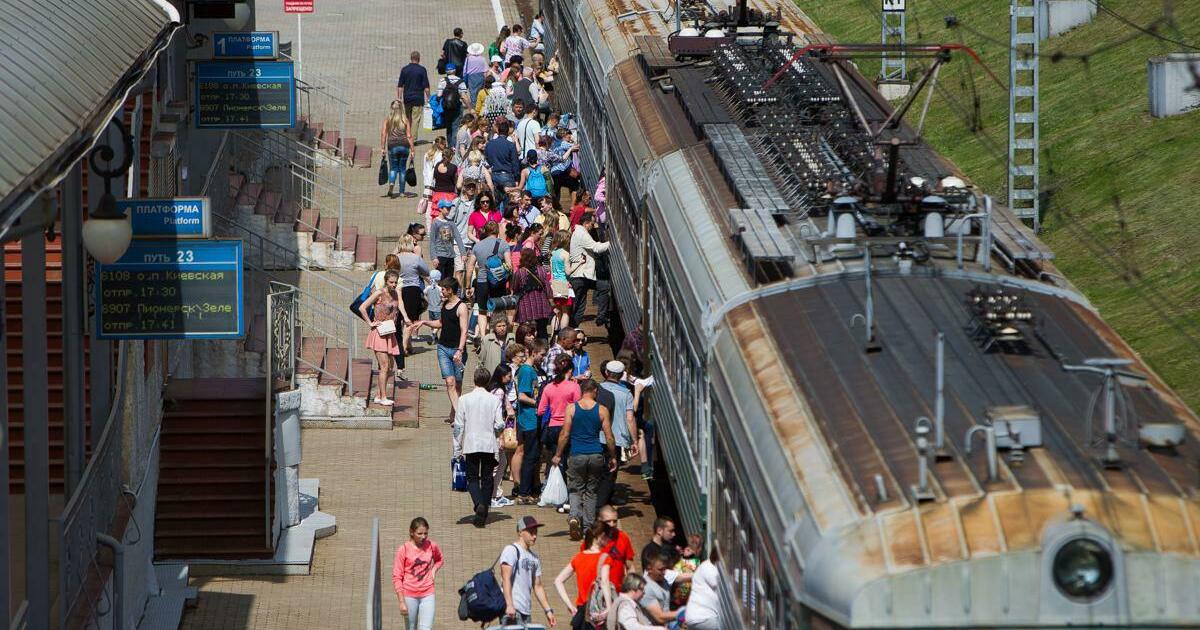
[527,522]
[475,49]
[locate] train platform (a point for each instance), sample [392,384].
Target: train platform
[401,473]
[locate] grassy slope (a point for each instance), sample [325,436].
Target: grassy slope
[1104,160]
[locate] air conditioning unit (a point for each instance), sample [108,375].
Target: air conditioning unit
[1016,424]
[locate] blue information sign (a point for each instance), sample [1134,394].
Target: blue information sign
[172,290]
[248,45]
[180,217]
[245,94]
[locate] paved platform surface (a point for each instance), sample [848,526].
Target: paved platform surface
[402,473]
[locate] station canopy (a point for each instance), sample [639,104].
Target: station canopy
[65,68]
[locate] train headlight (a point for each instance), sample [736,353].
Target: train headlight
[1083,569]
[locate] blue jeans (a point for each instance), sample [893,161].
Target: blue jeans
[397,164]
[452,126]
[420,612]
[648,456]
[474,84]
[447,364]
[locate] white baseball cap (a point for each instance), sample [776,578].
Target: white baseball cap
[614,367]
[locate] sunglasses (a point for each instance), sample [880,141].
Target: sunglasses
[485,202]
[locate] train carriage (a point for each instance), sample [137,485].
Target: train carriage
[823,364]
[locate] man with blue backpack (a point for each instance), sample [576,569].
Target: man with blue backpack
[521,575]
[489,265]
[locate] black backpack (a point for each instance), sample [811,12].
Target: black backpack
[451,99]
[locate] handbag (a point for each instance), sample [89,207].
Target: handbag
[560,288]
[383,171]
[508,439]
[458,474]
[410,176]
[386,327]
[362,297]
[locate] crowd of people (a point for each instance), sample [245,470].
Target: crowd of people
[516,246]
[676,587]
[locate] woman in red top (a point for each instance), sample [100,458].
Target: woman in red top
[583,199]
[589,566]
[413,573]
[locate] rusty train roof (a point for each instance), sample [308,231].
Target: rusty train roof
[845,417]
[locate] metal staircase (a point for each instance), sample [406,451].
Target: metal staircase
[1023,132]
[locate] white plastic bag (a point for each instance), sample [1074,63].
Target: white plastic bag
[427,118]
[555,490]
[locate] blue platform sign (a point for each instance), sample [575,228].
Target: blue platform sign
[180,217]
[246,45]
[245,94]
[172,290]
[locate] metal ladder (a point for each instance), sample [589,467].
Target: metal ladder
[1023,103]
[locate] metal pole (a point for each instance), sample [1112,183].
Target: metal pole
[118,599]
[299,46]
[939,403]
[73,309]
[37,433]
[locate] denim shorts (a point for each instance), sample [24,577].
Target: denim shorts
[446,363]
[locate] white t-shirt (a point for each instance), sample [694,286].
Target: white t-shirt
[515,45]
[528,131]
[526,566]
[703,603]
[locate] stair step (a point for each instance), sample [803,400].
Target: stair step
[312,352]
[236,181]
[327,229]
[364,377]
[331,139]
[348,145]
[268,203]
[233,409]
[287,213]
[336,362]
[206,490]
[307,220]
[362,156]
[231,477]
[248,195]
[228,509]
[366,249]
[189,460]
[231,548]
[349,237]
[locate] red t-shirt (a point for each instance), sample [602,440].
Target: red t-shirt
[619,551]
[577,214]
[586,566]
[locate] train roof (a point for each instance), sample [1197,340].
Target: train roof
[841,418]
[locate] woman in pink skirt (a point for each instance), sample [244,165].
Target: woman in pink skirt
[386,346]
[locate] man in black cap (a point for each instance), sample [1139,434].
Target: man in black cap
[521,575]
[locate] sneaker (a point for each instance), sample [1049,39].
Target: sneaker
[387,402]
[576,528]
[648,476]
[564,508]
[501,502]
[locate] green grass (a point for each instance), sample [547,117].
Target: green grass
[1123,213]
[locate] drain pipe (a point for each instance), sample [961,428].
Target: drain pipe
[118,579]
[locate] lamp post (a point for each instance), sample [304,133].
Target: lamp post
[107,232]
